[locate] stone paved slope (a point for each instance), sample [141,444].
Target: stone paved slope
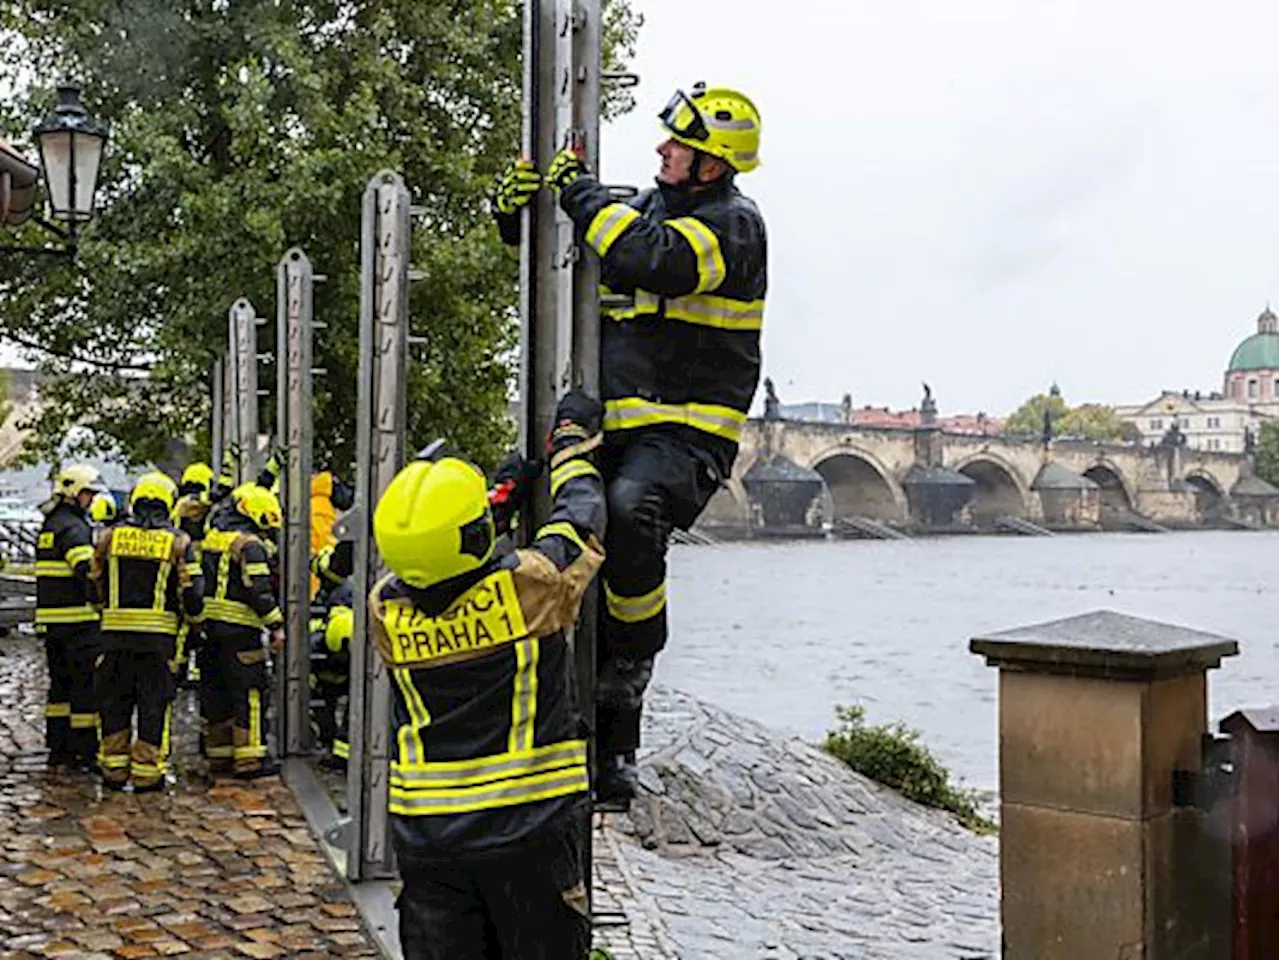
[751,844]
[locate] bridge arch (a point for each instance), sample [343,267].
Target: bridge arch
[1114,492]
[1000,491]
[859,484]
[1211,499]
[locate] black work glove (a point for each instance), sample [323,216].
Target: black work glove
[576,430]
[343,497]
[513,479]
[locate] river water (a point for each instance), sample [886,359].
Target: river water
[783,632]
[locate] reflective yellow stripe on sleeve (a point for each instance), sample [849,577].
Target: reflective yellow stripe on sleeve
[636,609]
[79,555]
[607,226]
[232,611]
[55,615]
[564,529]
[631,412]
[54,568]
[257,570]
[706,247]
[570,470]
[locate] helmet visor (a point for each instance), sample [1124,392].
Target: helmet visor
[683,119]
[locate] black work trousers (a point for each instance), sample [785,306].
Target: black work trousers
[135,677]
[233,691]
[71,710]
[526,901]
[655,482]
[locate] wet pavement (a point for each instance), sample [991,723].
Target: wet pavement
[219,869]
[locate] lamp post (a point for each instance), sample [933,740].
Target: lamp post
[70,143]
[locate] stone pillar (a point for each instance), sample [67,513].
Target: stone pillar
[1096,860]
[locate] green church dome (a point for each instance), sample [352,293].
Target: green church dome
[1260,351]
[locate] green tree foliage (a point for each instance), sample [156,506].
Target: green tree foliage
[1089,421]
[237,131]
[1268,454]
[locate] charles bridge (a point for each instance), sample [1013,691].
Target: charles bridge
[926,477]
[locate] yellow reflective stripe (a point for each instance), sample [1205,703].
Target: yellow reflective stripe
[255,749]
[224,575]
[607,226]
[562,528]
[164,734]
[84,721]
[341,750]
[635,609]
[634,412]
[57,710]
[706,248]
[568,471]
[113,578]
[442,774]
[524,696]
[114,761]
[409,736]
[140,621]
[232,611]
[53,568]
[79,555]
[720,312]
[257,570]
[84,614]
[273,618]
[218,753]
[162,583]
[193,569]
[558,783]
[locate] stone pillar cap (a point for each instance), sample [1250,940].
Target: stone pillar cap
[1105,644]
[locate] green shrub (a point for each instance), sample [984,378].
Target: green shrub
[893,755]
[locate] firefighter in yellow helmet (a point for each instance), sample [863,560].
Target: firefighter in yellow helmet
[149,580]
[103,511]
[66,618]
[679,366]
[488,793]
[196,493]
[239,605]
[331,676]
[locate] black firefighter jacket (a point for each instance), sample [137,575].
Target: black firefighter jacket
[148,580]
[686,351]
[488,744]
[239,600]
[64,552]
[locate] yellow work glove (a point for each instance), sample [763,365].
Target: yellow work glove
[566,167]
[518,185]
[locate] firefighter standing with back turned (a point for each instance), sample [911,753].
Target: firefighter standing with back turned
[488,791]
[238,605]
[148,581]
[678,369]
[67,619]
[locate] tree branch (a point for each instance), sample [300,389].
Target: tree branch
[67,355]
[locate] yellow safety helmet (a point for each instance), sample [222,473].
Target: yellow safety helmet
[198,475]
[103,508]
[718,121]
[338,631]
[433,523]
[155,486]
[258,504]
[77,478]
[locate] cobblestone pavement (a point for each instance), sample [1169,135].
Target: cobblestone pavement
[748,844]
[221,870]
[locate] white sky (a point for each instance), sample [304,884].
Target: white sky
[994,194]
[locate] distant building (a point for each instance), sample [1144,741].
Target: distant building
[978,424]
[1218,421]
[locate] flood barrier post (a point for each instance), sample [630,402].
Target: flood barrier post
[381,422]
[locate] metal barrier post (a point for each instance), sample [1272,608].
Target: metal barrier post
[294,281]
[217,413]
[380,453]
[244,376]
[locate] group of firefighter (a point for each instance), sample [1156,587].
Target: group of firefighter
[179,585]
[489,788]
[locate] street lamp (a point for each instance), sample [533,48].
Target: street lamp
[70,144]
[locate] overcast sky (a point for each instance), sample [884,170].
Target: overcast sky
[995,194]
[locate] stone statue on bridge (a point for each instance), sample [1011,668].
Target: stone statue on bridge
[928,407]
[771,404]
